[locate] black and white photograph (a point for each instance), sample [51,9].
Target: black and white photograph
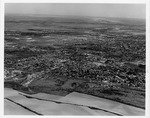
[77,59]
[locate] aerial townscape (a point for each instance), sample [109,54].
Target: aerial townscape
[57,55]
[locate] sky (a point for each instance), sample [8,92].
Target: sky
[79,9]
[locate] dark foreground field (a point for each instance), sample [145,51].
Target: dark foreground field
[59,55]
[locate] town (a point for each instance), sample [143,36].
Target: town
[59,55]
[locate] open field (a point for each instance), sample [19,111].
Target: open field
[72,104]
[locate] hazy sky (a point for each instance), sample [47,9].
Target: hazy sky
[102,10]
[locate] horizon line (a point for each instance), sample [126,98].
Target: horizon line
[52,15]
